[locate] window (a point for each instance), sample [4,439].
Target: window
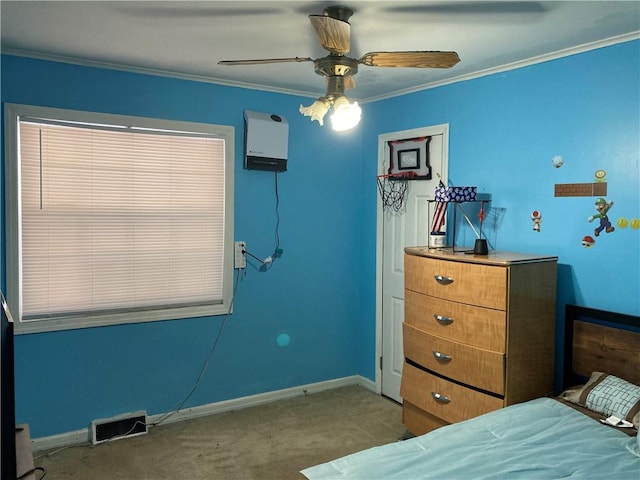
[115,219]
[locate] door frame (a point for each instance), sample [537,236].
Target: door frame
[383,138]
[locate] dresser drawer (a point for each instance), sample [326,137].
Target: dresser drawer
[418,421]
[473,366]
[443,399]
[470,283]
[477,326]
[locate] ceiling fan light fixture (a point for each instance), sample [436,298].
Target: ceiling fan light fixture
[333,32]
[317,110]
[346,115]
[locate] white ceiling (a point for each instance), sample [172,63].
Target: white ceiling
[188,38]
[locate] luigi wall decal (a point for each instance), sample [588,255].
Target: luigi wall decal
[603,207]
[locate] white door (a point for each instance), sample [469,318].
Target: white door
[396,231]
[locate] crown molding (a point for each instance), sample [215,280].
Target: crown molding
[205,79]
[628,37]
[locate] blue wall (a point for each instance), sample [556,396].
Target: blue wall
[504,130]
[66,379]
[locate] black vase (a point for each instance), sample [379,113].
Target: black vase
[480,247]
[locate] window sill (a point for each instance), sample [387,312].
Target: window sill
[58,324]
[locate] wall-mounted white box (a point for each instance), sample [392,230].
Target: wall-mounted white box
[266,141]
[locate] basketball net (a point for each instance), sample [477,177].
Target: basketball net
[393,189]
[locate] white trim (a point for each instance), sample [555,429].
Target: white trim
[152,71]
[442,129]
[81,436]
[607,42]
[12,208]
[67,439]
[113,319]
[369,385]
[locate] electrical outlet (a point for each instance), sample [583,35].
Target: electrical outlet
[240,256]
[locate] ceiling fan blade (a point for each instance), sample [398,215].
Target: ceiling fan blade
[410,59]
[333,34]
[190,10]
[265,60]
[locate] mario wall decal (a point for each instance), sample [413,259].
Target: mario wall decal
[603,207]
[557,161]
[588,241]
[601,176]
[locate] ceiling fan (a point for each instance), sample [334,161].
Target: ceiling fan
[333,32]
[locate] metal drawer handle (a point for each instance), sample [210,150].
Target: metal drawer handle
[443,320]
[441,356]
[440,398]
[443,280]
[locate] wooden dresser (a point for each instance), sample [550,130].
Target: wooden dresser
[478,333]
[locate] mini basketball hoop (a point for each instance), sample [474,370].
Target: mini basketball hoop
[393,188]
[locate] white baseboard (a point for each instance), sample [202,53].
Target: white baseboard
[368,384]
[82,436]
[76,437]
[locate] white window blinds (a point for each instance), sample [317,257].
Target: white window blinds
[119,219]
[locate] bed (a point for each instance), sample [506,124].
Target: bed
[545,438]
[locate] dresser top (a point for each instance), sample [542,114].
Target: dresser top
[493,258]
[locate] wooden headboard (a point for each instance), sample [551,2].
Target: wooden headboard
[598,340]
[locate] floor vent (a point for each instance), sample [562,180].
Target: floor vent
[121,426]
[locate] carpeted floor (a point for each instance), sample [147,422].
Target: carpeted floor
[273,441]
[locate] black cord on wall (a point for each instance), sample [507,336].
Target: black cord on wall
[206,363]
[277,253]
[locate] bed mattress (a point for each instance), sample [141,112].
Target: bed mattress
[539,439]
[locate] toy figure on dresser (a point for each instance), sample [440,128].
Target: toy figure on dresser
[603,207]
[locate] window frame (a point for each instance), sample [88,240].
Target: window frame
[13,233]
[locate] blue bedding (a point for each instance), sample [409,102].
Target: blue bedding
[539,439]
